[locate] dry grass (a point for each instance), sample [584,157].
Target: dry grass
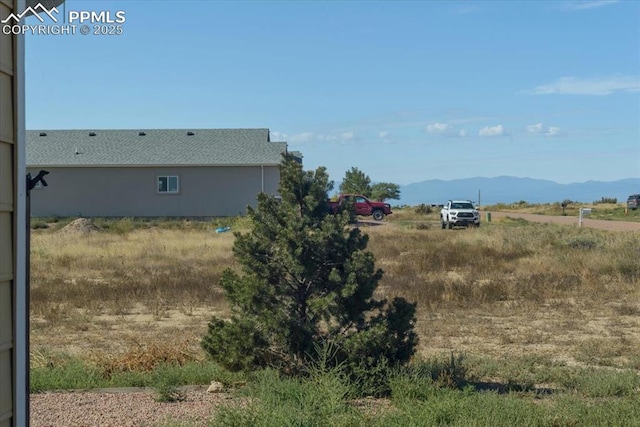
[525,289]
[568,294]
[608,211]
[107,273]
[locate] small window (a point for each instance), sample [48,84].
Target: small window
[168,184]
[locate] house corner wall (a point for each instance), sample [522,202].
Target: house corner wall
[13,306]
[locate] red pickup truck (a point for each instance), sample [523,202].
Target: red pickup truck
[362,206]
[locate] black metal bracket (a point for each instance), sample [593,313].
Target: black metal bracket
[32,182]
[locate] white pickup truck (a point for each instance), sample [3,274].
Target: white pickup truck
[459,213]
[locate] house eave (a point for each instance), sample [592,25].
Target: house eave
[160,165]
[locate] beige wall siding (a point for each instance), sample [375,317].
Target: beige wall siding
[7,222]
[118,192]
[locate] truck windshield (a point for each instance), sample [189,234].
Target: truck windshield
[461,206]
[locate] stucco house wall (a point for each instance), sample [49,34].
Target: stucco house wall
[133,192]
[121,173]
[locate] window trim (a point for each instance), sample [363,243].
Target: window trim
[168,191]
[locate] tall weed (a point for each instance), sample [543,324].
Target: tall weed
[277,400]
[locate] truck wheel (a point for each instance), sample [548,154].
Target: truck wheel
[443,224]
[378,215]
[449,225]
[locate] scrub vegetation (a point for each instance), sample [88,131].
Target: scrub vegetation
[518,323]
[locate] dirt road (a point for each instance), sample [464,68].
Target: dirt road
[569,220]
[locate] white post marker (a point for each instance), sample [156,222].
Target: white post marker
[583,213]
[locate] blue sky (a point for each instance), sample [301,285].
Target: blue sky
[405,91]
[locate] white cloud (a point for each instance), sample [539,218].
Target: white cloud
[438,128]
[301,137]
[444,129]
[492,131]
[553,131]
[278,136]
[346,136]
[310,137]
[385,137]
[537,128]
[592,86]
[589,4]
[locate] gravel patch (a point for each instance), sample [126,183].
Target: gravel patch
[123,407]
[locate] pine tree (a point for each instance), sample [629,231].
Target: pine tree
[382,191]
[356,182]
[307,283]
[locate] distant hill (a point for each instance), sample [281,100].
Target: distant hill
[508,189]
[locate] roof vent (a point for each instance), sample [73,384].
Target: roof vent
[190,133]
[43,134]
[141,133]
[92,134]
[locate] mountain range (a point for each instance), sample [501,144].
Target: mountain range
[508,189]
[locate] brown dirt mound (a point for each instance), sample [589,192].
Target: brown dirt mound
[80,226]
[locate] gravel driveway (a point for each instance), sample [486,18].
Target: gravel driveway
[122,408]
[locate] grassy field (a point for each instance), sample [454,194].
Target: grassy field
[544,318]
[607,211]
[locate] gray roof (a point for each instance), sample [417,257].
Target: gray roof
[152,147]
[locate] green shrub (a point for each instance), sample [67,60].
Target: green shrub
[308,283]
[604,383]
[610,200]
[119,226]
[65,374]
[423,209]
[582,242]
[51,371]
[418,380]
[166,380]
[276,400]
[422,226]
[38,224]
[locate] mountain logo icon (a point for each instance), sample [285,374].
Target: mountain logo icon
[39,8]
